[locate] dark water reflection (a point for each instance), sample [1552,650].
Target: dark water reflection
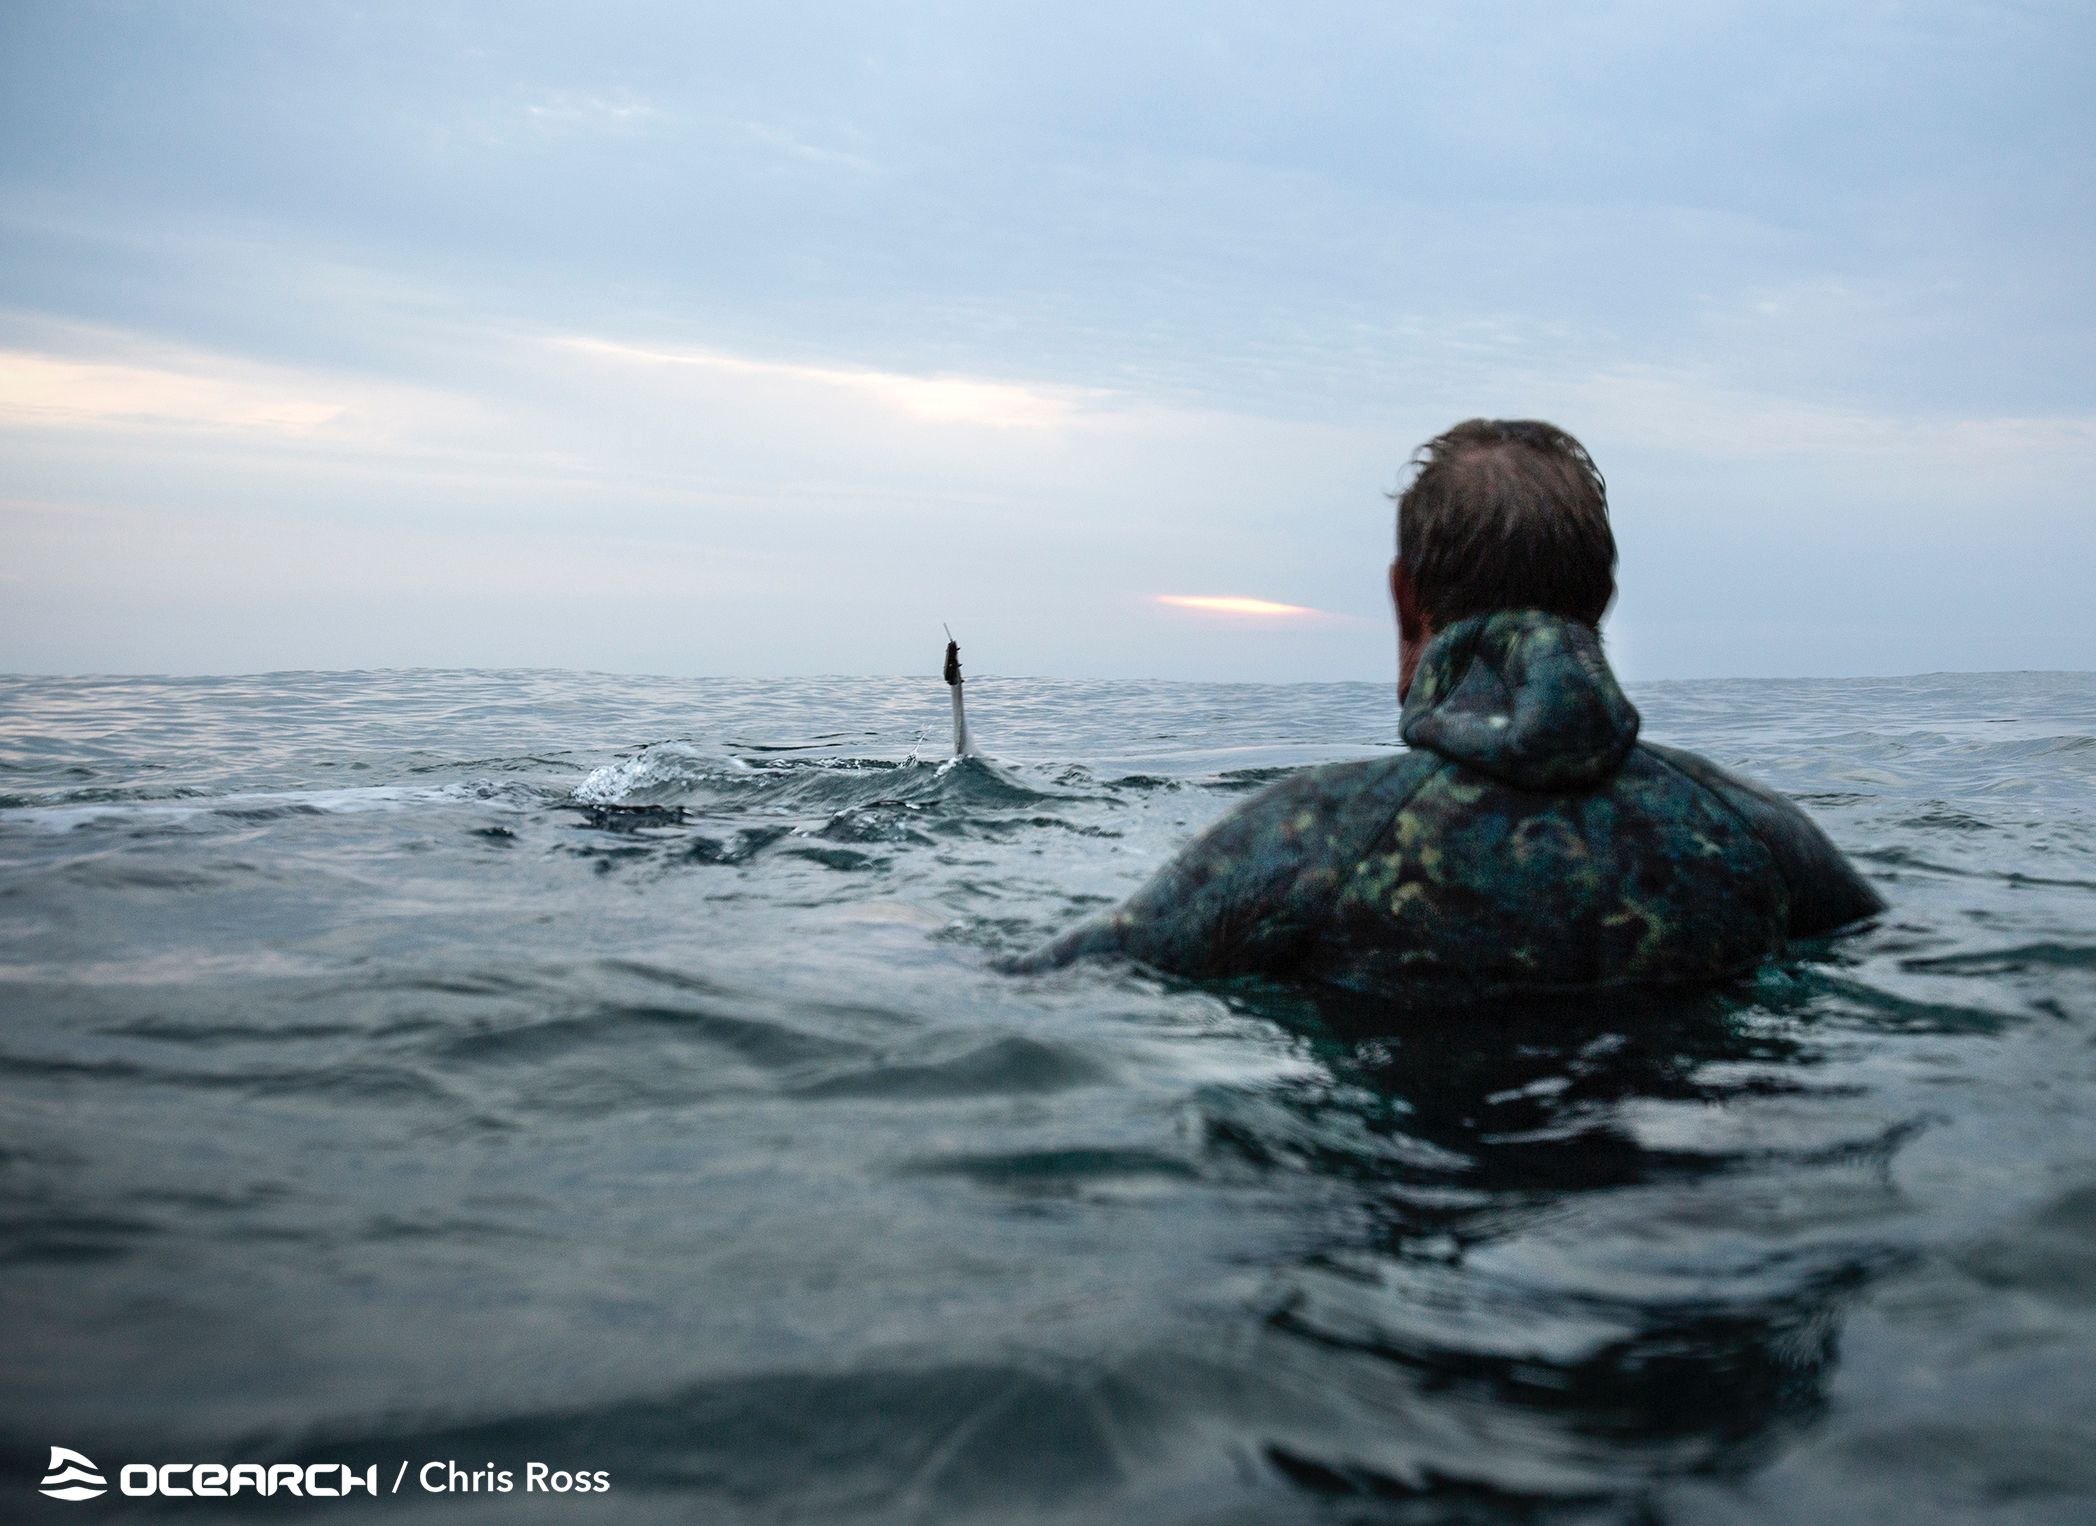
[1523,1090]
[1462,1129]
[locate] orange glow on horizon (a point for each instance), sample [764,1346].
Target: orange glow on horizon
[1233,606]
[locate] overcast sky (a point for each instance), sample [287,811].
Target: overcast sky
[763,338]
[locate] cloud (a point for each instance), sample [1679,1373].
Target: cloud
[561,111]
[81,380]
[39,389]
[234,556]
[929,399]
[1690,411]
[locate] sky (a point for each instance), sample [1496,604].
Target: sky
[730,339]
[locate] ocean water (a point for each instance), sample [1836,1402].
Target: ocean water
[613,1074]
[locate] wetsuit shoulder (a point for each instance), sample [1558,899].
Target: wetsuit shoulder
[1250,891]
[1826,892]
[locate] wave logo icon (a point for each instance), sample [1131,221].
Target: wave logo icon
[73,1477]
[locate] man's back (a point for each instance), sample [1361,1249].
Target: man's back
[1527,841]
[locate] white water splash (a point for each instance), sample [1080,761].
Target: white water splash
[654,774]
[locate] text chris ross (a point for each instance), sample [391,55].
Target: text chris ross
[537,1475]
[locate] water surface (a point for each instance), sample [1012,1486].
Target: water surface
[614,1072]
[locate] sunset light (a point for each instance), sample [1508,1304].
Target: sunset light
[1232,606]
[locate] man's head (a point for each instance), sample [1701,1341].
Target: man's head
[1503,514]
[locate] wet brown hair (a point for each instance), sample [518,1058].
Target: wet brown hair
[1506,514]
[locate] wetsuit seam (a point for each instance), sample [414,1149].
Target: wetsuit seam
[1442,763]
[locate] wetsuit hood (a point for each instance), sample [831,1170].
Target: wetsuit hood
[1523,696]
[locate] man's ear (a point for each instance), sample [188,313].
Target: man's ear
[1411,620]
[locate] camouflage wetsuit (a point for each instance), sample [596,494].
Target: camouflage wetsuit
[1527,840]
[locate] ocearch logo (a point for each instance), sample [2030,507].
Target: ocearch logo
[217,1481]
[73,1477]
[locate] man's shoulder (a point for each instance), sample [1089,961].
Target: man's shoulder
[1245,893]
[1352,777]
[1332,793]
[1316,818]
[1826,891]
[1735,790]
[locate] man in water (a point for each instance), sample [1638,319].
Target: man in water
[1527,840]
